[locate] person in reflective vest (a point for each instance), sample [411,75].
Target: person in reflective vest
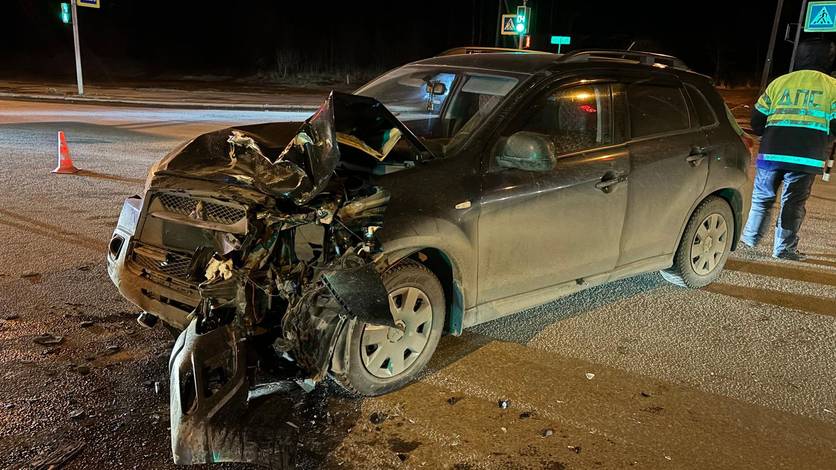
[795,116]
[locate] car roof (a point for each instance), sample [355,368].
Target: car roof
[530,63]
[520,62]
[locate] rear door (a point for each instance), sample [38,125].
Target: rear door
[669,153]
[541,228]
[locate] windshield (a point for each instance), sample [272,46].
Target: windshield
[440,104]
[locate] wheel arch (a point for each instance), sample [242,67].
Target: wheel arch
[735,201]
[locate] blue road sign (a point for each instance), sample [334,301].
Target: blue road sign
[821,17]
[561,40]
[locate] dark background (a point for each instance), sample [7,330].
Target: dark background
[261,40]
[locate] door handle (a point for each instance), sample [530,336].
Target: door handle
[696,156]
[609,180]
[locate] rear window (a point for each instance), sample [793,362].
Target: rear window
[704,113]
[656,109]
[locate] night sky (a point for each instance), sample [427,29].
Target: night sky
[275,40]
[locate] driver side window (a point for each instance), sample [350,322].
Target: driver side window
[564,121]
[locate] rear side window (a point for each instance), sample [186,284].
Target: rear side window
[704,113]
[656,109]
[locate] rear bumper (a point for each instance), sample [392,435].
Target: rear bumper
[170,305]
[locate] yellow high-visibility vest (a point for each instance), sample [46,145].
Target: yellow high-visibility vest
[805,98]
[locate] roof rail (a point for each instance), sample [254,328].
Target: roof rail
[480,50]
[646,58]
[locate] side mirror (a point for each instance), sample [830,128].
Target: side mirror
[436,88]
[527,151]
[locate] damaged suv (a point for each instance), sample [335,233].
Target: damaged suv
[443,194]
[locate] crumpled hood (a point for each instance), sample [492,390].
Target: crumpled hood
[286,160]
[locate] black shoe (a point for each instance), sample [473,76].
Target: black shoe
[791,255]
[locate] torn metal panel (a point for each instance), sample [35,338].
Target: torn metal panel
[208,374]
[214,418]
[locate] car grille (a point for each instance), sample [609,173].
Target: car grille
[175,265]
[218,213]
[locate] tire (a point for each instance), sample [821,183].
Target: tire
[711,227]
[369,356]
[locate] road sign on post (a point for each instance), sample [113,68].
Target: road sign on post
[561,41]
[509,25]
[89,3]
[821,17]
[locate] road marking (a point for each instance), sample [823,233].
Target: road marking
[802,303]
[782,271]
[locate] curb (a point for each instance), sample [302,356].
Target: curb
[158,104]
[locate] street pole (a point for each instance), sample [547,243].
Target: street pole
[767,66]
[78,77]
[798,33]
[499,11]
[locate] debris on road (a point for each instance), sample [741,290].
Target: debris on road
[525,415]
[30,275]
[48,339]
[57,458]
[548,432]
[86,324]
[646,394]
[575,449]
[377,418]
[453,400]
[590,376]
[504,404]
[77,414]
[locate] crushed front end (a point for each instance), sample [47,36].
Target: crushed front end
[258,242]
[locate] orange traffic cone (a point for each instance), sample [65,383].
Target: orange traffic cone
[65,163]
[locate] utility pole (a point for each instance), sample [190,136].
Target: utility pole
[767,66]
[78,77]
[798,33]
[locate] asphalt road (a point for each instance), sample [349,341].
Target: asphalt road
[741,374]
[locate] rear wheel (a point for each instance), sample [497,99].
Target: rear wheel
[704,247]
[380,359]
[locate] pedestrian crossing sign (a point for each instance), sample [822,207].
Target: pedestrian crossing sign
[509,25]
[821,17]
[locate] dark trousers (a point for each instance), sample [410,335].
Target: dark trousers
[797,186]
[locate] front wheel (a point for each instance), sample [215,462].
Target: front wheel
[705,245]
[380,359]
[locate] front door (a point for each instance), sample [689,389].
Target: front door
[538,226]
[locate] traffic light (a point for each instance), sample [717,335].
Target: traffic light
[66,18]
[523,19]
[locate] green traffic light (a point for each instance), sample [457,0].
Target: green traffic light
[65,13]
